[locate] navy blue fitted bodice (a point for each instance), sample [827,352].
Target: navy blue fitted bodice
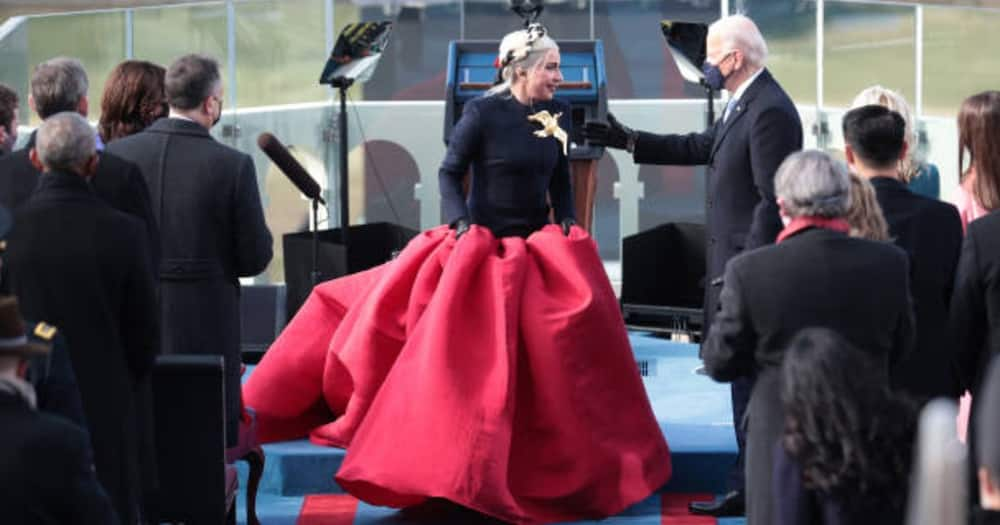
[512,169]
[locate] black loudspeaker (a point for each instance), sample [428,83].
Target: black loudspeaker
[663,277]
[262,317]
[371,245]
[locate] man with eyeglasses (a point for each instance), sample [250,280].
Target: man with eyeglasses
[741,151]
[207,205]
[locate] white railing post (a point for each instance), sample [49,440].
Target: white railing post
[129,35]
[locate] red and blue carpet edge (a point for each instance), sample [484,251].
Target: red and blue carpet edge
[343,509]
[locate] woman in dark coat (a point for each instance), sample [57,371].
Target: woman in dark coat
[488,365]
[846,452]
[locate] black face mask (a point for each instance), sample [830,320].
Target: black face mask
[713,75]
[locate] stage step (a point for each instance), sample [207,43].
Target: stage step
[693,412]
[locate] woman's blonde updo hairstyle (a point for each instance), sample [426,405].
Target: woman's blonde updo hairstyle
[882,96]
[521,49]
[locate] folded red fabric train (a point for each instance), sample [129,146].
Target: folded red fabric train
[494,373]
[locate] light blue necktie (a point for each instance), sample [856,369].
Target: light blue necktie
[729,109]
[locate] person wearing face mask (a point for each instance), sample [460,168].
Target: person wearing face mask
[208,208]
[741,151]
[487,367]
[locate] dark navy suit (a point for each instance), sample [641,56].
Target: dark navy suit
[513,171]
[742,155]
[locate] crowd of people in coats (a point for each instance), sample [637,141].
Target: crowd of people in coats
[127,242]
[862,302]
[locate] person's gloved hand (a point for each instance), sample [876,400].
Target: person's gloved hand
[612,134]
[567,224]
[460,226]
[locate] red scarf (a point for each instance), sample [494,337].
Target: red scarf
[801,223]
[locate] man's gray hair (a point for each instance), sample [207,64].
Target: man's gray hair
[58,85]
[65,141]
[739,32]
[811,183]
[190,80]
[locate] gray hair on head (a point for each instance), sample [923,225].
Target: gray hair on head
[65,142]
[58,85]
[190,80]
[526,48]
[811,183]
[739,32]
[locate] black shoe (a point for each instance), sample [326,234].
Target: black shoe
[732,504]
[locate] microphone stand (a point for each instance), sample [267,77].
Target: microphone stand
[710,99]
[314,275]
[342,84]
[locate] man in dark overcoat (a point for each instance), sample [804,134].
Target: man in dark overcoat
[928,230]
[46,461]
[741,152]
[816,275]
[207,204]
[57,85]
[975,317]
[83,266]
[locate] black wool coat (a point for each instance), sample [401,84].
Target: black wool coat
[84,267]
[207,205]
[48,473]
[930,232]
[975,314]
[817,277]
[116,181]
[741,156]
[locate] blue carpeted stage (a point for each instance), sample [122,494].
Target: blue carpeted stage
[693,411]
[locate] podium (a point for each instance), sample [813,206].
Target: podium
[372,245]
[471,73]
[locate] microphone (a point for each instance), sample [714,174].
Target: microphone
[281,157]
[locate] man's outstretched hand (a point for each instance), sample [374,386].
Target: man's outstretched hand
[612,134]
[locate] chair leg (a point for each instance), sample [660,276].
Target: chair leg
[255,458]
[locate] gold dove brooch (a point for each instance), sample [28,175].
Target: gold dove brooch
[550,127]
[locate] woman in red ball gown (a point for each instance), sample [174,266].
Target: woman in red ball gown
[487,365]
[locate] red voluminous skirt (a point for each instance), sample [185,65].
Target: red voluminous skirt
[494,373]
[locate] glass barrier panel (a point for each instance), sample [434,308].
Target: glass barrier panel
[865,45]
[960,56]
[15,69]
[164,33]
[280,51]
[492,20]
[789,28]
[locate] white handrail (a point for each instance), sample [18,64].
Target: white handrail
[11,25]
